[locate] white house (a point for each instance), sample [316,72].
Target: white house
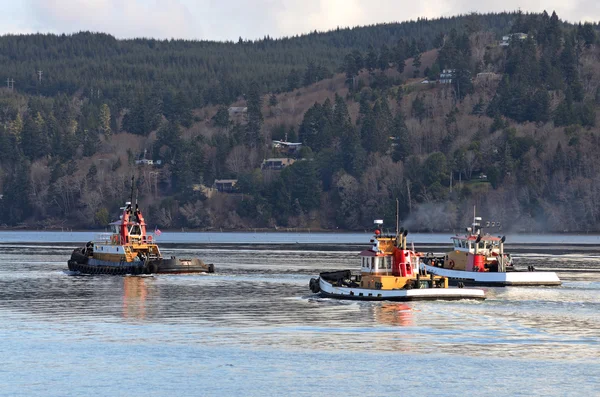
[506,39]
[446,76]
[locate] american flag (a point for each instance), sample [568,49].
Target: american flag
[157,232]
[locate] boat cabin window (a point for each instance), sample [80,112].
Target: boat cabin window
[114,228]
[387,262]
[372,263]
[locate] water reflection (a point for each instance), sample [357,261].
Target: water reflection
[135,292]
[394,314]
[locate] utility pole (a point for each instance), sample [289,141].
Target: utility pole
[10,84]
[39,72]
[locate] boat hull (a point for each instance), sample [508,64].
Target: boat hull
[86,265]
[495,279]
[328,290]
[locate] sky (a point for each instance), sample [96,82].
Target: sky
[249,19]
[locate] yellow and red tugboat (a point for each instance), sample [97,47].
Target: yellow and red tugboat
[389,271]
[129,249]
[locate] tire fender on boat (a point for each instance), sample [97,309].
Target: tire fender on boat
[314,286]
[451,264]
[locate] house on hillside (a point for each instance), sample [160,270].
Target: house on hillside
[446,76]
[148,162]
[505,42]
[487,76]
[238,113]
[225,185]
[145,161]
[286,147]
[276,163]
[237,110]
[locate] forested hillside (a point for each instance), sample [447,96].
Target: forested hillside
[514,131]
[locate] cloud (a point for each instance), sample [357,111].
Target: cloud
[251,19]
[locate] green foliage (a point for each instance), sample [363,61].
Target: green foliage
[419,109]
[254,135]
[221,118]
[302,182]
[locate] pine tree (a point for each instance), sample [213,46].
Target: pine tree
[401,141]
[371,59]
[273,100]
[478,108]
[383,125]
[384,58]
[254,135]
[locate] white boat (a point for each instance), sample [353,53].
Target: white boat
[496,279]
[389,271]
[479,259]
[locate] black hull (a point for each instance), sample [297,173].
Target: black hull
[393,299]
[86,265]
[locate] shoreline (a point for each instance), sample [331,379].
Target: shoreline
[302,230]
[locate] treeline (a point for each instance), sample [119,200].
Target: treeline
[521,145]
[100,66]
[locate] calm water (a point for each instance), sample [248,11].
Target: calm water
[254,328]
[290,237]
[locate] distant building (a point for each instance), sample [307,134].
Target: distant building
[446,76]
[277,163]
[237,111]
[225,185]
[505,42]
[488,76]
[286,147]
[145,161]
[148,162]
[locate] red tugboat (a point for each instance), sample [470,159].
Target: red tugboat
[129,249]
[389,271]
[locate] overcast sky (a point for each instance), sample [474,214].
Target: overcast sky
[230,19]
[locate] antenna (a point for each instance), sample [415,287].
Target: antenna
[131,196]
[397,221]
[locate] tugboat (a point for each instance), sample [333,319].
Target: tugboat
[479,259]
[129,249]
[389,271]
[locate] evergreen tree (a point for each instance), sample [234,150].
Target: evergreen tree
[221,118]
[302,183]
[293,80]
[383,126]
[401,144]
[384,58]
[371,59]
[254,135]
[16,205]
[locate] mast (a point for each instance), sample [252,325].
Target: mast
[131,195]
[397,224]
